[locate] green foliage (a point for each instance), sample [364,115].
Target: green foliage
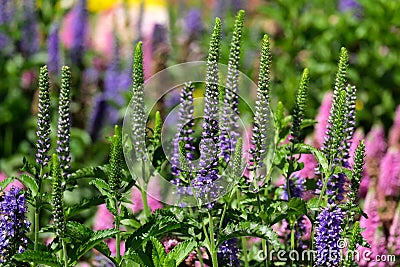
[298,112]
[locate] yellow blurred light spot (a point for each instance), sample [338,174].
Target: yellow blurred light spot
[101,5]
[359,105]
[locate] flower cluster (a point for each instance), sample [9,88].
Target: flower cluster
[327,236]
[43,123]
[64,121]
[228,253]
[13,226]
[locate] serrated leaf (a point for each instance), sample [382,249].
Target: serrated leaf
[91,172]
[28,167]
[134,257]
[30,183]
[83,205]
[181,251]
[320,157]
[38,257]
[102,186]
[96,238]
[158,253]
[249,228]
[297,208]
[6,182]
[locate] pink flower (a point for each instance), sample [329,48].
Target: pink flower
[357,137]
[153,197]
[394,133]
[375,144]
[394,233]
[105,220]
[389,179]
[322,120]
[16,183]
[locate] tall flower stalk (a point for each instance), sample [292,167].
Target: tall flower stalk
[139,120]
[209,144]
[261,128]
[64,122]
[230,113]
[43,142]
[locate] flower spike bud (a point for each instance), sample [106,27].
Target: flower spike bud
[157,129]
[64,122]
[43,123]
[357,173]
[298,113]
[139,118]
[230,111]
[116,161]
[262,110]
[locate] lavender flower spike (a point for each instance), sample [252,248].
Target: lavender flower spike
[261,116]
[229,118]
[228,253]
[43,132]
[57,197]
[209,144]
[139,118]
[30,35]
[13,225]
[185,128]
[53,49]
[64,121]
[327,235]
[79,32]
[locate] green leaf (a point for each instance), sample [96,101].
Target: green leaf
[30,183]
[158,253]
[28,167]
[96,238]
[131,223]
[92,172]
[83,205]
[38,257]
[181,251]
[102,186]
[6,182]
[131,256]
[307,149]
[297,208]
[249,228]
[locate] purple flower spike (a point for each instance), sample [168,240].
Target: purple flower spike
[13,225]
[30,35]
[327,234]
[53,52]
[79,26]
[193,23]
[228,253]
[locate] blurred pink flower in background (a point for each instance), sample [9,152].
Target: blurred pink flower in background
[394,133]
[394,234]
[16,183]
[389,179]
[153,197]
[375,143]
[322,120]
[105,220]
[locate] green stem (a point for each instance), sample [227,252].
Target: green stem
[244,248]
[65,255]
[214,256]
[36,227]
[222,217]
[118,240]
[143,189]
[265,249]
